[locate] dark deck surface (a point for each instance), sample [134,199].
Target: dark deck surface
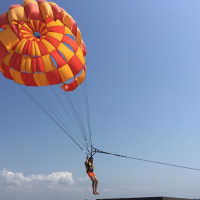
[146,198]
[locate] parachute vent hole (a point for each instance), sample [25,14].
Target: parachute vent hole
[79,73]
[53,60]
[69,47]
[62,55]
[37,34]
[25,72]
[71,36]
[69,80]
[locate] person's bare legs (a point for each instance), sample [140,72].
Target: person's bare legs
[94,184]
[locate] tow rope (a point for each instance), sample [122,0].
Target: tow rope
[145,160]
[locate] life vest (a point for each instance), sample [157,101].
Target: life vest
[89,167]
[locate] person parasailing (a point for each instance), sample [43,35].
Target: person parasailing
[90,171]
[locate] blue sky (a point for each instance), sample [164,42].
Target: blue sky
[144,100]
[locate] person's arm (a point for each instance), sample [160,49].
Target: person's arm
[86,162]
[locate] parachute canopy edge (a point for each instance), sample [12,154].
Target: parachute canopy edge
[3,53]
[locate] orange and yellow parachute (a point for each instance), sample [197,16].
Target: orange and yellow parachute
[41,45]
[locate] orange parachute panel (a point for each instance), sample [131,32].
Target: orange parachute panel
[41,45]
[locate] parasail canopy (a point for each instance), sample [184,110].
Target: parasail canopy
[41,45]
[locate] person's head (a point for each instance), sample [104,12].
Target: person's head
[91,159]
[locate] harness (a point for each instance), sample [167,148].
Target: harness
[89,167]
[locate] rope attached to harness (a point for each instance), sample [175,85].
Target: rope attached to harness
[155,162]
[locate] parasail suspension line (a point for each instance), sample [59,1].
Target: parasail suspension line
[50,116]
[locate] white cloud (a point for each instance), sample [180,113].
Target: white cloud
[83,179]
[57,181]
